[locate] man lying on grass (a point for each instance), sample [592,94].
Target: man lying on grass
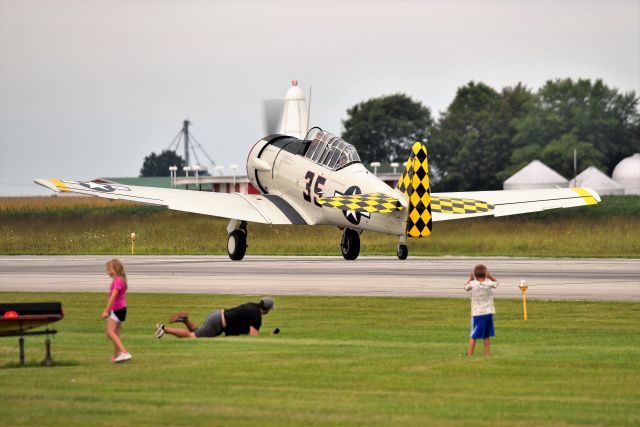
[241,320]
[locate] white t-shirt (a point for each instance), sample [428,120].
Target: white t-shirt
[481,296]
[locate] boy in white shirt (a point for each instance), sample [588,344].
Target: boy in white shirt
[481,283]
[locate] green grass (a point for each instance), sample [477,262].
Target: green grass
[93,226]
[338,361]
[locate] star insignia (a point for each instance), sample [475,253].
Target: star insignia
[352,216]
[103,188]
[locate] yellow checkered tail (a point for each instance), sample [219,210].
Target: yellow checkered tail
[414,183]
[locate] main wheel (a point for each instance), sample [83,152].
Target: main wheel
[237,245]
[350,245]
[402,251]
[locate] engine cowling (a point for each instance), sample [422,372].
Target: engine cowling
[262,158]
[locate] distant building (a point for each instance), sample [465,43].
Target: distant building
[225,184]
[219,184]
[535,175]
[142,181]
[593,178]
[390,178]
[627,174]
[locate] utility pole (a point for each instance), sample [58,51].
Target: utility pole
[185,133]
[575,166]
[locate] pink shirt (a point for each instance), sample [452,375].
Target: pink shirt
[120,301]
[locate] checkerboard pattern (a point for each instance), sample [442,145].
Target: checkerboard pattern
[414,182]
[372,202]
[459,206]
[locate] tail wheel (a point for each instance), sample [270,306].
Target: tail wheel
[402,251]
[237,244]
[350,245]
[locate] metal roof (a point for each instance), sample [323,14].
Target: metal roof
[535,175]
[593,178]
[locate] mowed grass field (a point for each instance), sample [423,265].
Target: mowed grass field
[338,361]
[64,225]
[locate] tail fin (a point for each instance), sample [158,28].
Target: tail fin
[414,183]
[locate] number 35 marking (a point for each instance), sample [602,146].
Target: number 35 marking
[317,189]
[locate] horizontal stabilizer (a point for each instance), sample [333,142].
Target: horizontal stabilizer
[372,202]
[448,205]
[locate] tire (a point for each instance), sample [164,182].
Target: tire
[350,245]
[402,251]
[237,245]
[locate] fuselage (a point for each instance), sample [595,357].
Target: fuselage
[285,166]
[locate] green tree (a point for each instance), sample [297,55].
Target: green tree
[383,129]
[602,124]
[471,143]
[158,165]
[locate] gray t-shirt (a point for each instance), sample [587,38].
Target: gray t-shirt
[481,297]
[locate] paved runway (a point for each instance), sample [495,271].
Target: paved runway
[549,278]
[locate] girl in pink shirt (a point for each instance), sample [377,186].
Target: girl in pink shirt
[116,310]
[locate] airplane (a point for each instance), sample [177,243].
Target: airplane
[320,180]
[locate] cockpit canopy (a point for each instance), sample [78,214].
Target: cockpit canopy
[329,150]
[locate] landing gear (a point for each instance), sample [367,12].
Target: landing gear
[402,251]
[237,241]
[237,245]
[350,244]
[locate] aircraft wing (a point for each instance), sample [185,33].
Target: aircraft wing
[447,206]
[370,202]
[262,208]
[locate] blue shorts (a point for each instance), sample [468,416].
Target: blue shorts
[482,327]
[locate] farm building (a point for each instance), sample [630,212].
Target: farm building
[535,175]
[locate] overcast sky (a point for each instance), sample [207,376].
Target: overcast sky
[89,88]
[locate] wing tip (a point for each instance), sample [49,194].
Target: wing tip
[52,184]
[590,196]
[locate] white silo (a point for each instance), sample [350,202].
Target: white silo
[627,174]
[295,114]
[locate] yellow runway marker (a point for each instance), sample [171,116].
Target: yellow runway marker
[523,287]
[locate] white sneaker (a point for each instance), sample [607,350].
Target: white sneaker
[122,357]
[159,330]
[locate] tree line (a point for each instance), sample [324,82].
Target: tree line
[485,135]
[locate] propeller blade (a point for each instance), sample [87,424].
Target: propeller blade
[272,113]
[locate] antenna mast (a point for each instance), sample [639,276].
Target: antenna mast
[190,144]
[185,133]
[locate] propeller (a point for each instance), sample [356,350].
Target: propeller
[272,113]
